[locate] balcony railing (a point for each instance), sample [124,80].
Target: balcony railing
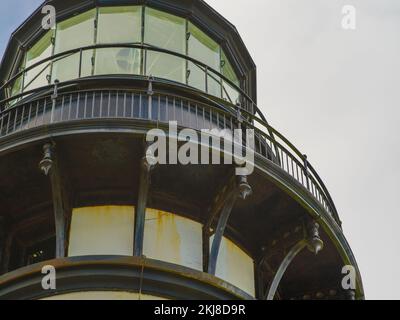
[23,111]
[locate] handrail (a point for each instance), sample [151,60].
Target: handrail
[145,47]
[249,118]
[132,46]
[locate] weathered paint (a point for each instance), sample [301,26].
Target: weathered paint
[106,230]
[103,295]
[173,239]
[235,266]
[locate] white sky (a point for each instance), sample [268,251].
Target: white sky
[336,95]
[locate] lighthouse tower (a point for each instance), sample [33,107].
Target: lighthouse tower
[80,198]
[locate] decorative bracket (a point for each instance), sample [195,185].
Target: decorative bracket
[242,190]
[313,243]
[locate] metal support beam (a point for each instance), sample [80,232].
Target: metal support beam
[49,165]
[313,243]
[219,232]
[214,211]
[140,215]
[242,190]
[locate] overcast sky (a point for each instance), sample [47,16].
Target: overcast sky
[336,95]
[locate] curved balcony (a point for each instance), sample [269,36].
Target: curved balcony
[57,103]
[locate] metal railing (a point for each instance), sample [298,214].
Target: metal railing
[94,104]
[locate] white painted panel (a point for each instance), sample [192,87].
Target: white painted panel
[103,295]
[235,266]
[173,239]
[106,230]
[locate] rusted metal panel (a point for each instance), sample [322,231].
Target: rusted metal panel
[106,230]
[173,239]
[235,266]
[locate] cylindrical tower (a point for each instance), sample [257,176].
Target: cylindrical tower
[79,192]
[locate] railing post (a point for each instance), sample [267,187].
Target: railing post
[54,97]
[306,171]
[150,94]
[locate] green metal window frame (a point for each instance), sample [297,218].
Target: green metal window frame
[213,85]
